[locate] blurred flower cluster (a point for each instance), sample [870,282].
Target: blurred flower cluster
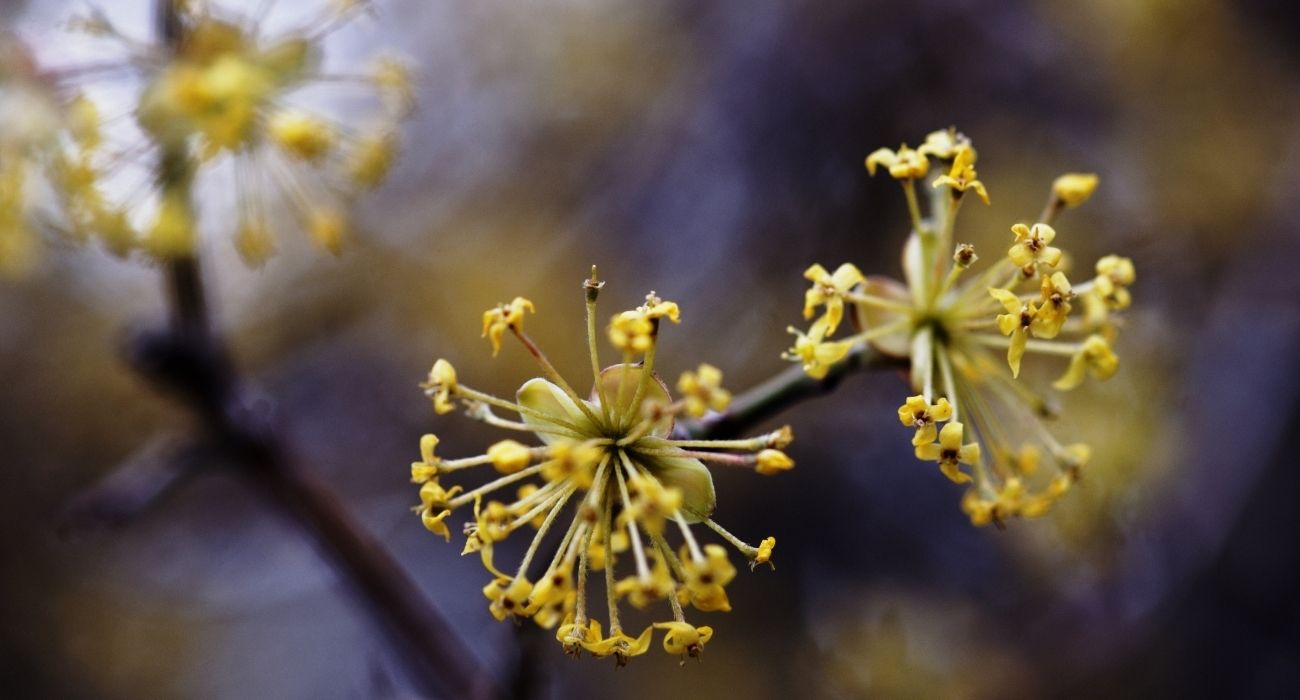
[949,322]
[614,456]
[217,96]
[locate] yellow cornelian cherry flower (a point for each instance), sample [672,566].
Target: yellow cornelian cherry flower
[1073,189]
[903,164]
[505,316]
[950,453]
[943,143]
[702,390]
[1033,245]
[969,409]
[812,350]
[220,101]
[915,412]
[962,176]
[830,289]
[611,461]
[683,639]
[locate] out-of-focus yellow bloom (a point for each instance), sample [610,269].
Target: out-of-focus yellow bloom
[1094,357]
[224,92]
[608,458]
[505,316]
[441,386]
[508,456]
[903,164]
[773,462]
[962,176]
[829,289]
[944,143]
[702,391]
[1073,189]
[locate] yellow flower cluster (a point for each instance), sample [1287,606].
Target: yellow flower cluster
[220,99]
[612,461]
[971,414]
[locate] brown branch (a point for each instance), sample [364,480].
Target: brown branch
[789,387]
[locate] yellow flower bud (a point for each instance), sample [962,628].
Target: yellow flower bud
[773,462]
[1074,189]
[509,456]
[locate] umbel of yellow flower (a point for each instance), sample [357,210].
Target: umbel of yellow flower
[220,100]
[970,411]
[50,139]
[608,459]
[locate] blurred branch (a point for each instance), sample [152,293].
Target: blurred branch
[137,484]
[781,392]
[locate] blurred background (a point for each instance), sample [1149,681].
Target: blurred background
[711,152]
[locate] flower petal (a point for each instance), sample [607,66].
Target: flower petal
[550,400]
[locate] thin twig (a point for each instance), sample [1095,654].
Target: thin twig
[781,392]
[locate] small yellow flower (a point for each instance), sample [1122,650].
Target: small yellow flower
[656,308]
[620,645]
[702,390]
[574,636]
[505,316]
[301,135]
[763,555]
[903,164]
[441,386]
[962,176]
[683,638]
[1094,357]
[427,468]
[815,353]
[1114,275]
[1073,189]
[829,289]
[773,462]
[508,597]
[706,578]
[509,456]
[915,412]
[436,523]
[944,143]
[949,452]
[1016,323]
[1033,245]
[1053,307]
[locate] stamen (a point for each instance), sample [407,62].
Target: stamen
[494,485]
[642,569]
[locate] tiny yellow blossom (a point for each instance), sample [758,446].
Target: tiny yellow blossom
[773,462]
[436,523]
[620,645]
[915,412]
[815,353]
[507,598]
[763,555]
[702,390]
[829,289]
[1053,307]
[903,164]
[302,135]
[509,456]
[949,452]
[962,176]
[944,143]
[427,467]
[497,320]
[1016,323]
[656,308]
[1094,357]
[1073,189]
[1033,245]
[632,331]
[684,639]
[441,386]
